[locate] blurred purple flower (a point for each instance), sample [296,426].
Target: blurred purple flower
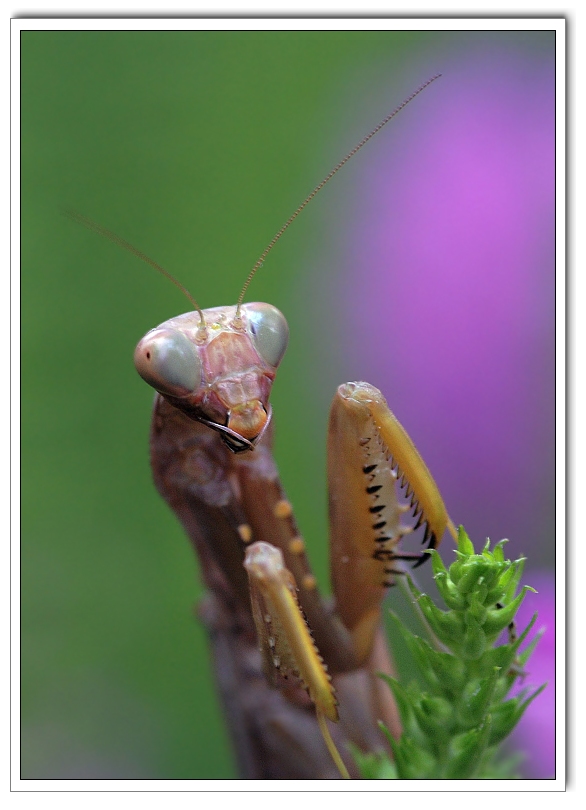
[449,279]
[535,734]
[455,295]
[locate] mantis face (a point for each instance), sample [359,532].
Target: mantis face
[221,375]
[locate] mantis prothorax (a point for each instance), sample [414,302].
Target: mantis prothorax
[211,458]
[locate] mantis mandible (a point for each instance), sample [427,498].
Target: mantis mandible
[268,624]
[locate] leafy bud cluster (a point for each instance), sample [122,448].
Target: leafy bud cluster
[451,730]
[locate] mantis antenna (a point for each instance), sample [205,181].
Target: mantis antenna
[202,331]
[93,226]
[319,187]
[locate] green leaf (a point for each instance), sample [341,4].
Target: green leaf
[499,550]
[444,673]
[406,709]
[511,584]
[464,543]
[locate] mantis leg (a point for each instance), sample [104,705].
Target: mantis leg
[369,455]
[225,502]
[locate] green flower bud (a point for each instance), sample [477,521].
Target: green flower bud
[451,730]
[501,657]
[495,595]
[446,626]
[477,696]
[468,574]
[412,761]
[506,715]
[457,568]
[474,642]
[497,620]
[448,591]
[450,670]
[466,751]
[478,570]
[435,716]
[477,609]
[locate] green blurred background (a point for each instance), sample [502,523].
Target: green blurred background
[195,147]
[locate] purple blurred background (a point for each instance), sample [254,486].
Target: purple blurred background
[447,272]
[535,734]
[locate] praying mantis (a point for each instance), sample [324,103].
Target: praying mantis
[296,673]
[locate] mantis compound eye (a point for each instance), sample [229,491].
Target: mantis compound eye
[270,331]
[168,361]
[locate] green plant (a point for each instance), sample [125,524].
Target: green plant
[453,727]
